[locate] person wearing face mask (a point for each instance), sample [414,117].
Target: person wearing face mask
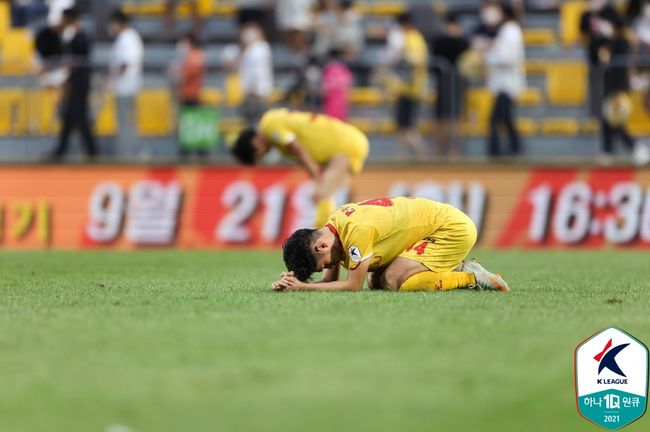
[255,71]
[596,27]
[76,89]
[125,78]
[486,30]
[506,77]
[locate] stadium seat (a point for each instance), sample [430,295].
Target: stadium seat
[560,126]
[478,104]
[106,120]
[231,126]
[366,96]
[42,108]
[211,96]
[366,125]
[13,111]
[566,83]
[154,113]
[536,67]
[639,122]
[527,126]
[539,37]
[157,7]
[233,90]
[570,13]
[5,19]
[16,53]
[382,9]
[531,97]
[590,127]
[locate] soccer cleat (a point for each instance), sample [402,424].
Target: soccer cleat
[484,279]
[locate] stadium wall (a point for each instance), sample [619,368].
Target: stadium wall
[193,207]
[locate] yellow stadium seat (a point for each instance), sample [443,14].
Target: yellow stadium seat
[17,53]
[42,109]
[106,121]
[567,83]
[590,127]
[478,105]
[211,96]
[13,111]
[366,96]
[231,125]
[570,14]
[560,126]
[154,112]
[527,126]
[5,19]
[276,96]
[386,126]
[639,122]
[381,9]
[531,96]
[536,67]
[233,89]
[366,125]
[539,36]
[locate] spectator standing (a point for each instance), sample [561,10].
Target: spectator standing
[49,50]
[337,81]
[306,91]
[616,107]
[74,105]
[408,55]
[506,77]
[125,78]
[294,21]
[596,26]
[447,50]
[255,71]
[338,27]
[191,71]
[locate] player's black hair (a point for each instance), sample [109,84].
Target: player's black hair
[451,18]
[298,254]
[118,16]
[71,14]
[243,149]
[404,19]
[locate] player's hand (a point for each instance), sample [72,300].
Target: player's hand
[288,282]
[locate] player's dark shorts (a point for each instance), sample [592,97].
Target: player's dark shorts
[406,112]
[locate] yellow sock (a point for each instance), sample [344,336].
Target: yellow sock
[324,209]
[431,281]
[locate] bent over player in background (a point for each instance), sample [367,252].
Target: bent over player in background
[407,244]
[316,141]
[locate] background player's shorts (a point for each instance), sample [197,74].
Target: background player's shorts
[357,150]
[445,248]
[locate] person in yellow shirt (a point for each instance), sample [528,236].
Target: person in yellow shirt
[329,149]
[411,70]
[402,244]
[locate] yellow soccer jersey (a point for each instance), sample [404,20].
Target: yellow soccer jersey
[322,136]
[383,228]
[415,51]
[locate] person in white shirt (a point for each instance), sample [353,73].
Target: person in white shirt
[253,61]
[125,78]
[505,59]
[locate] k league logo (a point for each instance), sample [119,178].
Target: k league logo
[611,373]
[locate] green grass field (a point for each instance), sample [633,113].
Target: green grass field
[187,341]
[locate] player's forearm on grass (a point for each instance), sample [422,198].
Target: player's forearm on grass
[330,275]
[341,285]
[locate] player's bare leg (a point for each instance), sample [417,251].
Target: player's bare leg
[336,175]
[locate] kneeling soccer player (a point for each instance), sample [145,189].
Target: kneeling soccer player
[329,149]
[407,244]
